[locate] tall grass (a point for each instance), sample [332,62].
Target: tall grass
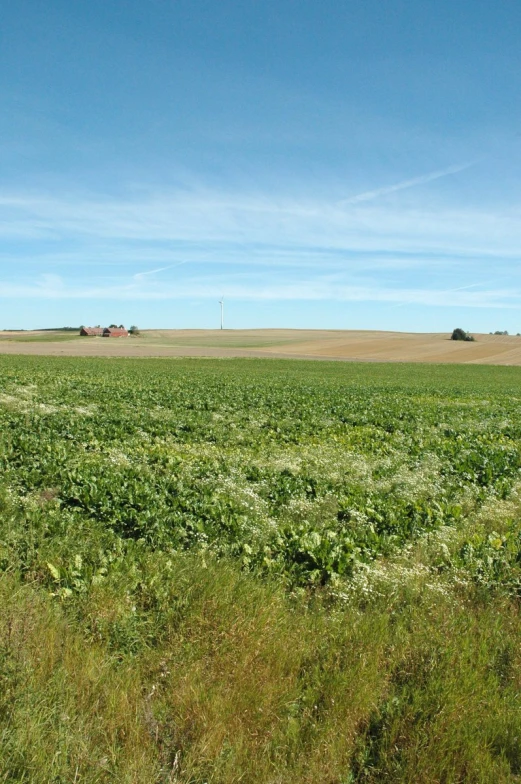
[200,673]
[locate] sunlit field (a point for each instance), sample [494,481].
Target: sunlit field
[259,570]
[351,345]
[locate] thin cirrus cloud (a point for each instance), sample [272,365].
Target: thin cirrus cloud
[206,221]
[304,242]
[317,289]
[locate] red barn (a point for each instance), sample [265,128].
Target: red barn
[91,331]
[115,332]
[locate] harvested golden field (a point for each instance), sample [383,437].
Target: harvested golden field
[280,343]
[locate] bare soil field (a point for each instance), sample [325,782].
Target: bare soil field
[277,343]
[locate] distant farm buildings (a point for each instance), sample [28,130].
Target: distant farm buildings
[91,331]
[104,332]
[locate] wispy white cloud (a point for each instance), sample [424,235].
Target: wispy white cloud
[51,282]
[251,288]
[214,225]
[406,184]
[140,275]
[315,249]
[449,292]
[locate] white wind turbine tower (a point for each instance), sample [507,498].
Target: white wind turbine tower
[221,303]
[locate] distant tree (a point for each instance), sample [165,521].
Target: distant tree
[460,334]
[134,330]
[121,326]
[113,326]
[499,332]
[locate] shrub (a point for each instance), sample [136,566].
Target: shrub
[460,334]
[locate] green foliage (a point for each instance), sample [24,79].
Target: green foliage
[258,571]
[493,560]
[298,473]
[460,334]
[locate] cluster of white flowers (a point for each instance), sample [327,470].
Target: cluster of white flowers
[45,408]
[380,579]
[413,482]
[117,457]
[85,410]
[233,486]
[21,398]
[16,403]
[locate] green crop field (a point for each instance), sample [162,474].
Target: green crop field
[259,571]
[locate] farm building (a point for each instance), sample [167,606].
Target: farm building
[91,331]
[115,332]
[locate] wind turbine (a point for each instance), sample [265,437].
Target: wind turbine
[221,303]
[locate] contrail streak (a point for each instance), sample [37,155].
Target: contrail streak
[445,291]
[140,275]
[404,184]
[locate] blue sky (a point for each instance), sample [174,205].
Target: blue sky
[336,164]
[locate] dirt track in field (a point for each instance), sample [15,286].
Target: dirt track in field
[277,343]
